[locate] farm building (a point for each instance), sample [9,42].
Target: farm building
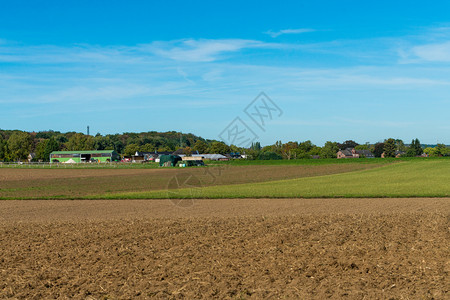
[169,160]
[143,156]
[212,156]
[84,156]
[189,161]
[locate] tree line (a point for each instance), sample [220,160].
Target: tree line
[304,150]
[16,145]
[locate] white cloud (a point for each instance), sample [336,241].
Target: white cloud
[275,34]
[188,50]
[203,50]
[432,52]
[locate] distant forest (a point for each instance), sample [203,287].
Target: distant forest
[16,145]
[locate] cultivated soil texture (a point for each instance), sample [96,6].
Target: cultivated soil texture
[225,249]
[77,183]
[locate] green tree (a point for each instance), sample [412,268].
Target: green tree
[347,144]
[201,147]
[256,146]
[269,155]
[306,146]
[329,150]
[2,148]
[131,149]
[431,151]
[79,141]
[19,145]
[289,149]
[362,147]
[52,145]
[40,150]
[416,148]
[401,146]
[147,148]
[219,148]
[187,151]
[378,149]
[236,149]
[389,148]
[315,151]
[441,150]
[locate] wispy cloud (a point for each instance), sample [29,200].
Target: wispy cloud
[203,50]
[275,34]
[428,46]
[439,52]
[188,50]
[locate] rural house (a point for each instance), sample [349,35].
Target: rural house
[352,153]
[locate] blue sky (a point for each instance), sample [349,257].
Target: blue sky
[337,70]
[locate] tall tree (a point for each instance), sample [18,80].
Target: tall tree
[416,147]
[389,148]
[52,145]
[378,149]
[2,147]
[329,150]
[348,144]
[19,145]
[400,145]
[256,146]
[40,150]
[306,146]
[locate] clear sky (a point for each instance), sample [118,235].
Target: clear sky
[362,70]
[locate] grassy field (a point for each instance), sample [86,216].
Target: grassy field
[236,179]
[62,183]
[409,178]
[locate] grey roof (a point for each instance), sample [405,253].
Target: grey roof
[211,156]
[347,152]
[366,153]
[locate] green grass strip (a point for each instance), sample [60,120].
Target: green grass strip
[426,178]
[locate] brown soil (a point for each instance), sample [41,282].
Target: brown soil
[73,183]
[251,248]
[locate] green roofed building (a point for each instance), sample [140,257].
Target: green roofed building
[84,156]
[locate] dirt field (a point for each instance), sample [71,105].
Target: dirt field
[73,183]
[236,249]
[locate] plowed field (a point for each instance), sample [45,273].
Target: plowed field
[227,248]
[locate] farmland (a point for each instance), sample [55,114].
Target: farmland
[297,233]
[68,183]
[410,178]
[236,249]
